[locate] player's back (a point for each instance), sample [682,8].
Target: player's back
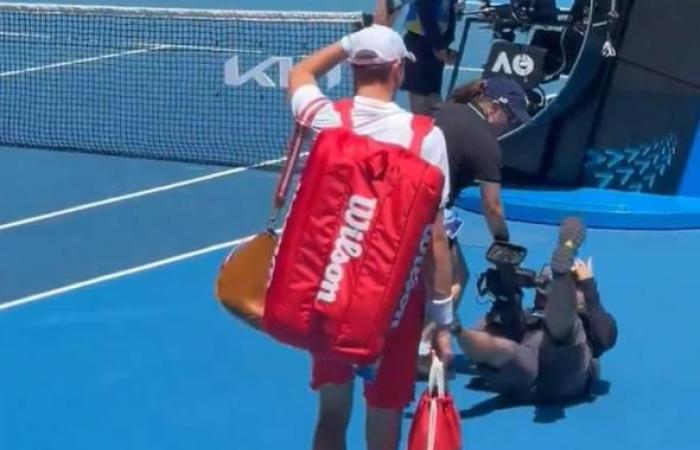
[380,120]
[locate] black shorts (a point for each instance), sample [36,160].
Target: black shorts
[423,77]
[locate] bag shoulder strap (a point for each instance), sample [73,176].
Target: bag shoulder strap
[421,127]
[303,127]
[344,108]
[308,113]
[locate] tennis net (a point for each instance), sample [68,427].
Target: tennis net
[192,85]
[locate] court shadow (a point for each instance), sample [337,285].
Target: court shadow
[543,413]
[488,406]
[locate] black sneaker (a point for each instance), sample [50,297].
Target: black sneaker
[572,233]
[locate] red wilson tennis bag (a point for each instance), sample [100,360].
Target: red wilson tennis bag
[357,228]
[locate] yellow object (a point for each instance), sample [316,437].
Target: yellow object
[243,278]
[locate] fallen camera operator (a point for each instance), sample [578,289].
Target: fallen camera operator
[551,352]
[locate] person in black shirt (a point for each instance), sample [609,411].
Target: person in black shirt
[558,356]
[471,121]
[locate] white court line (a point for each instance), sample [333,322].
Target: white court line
[30,35]
[137,194]
[80,61]
[479,70]
[465,69]
[203,48]
[120,274]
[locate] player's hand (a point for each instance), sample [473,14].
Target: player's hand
[442,344]
[446,55]
[382,15]
[583,270]
[452,56]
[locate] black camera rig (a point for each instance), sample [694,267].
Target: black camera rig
[504,283]
[507,279]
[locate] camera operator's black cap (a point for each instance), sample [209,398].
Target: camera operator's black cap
[511,96]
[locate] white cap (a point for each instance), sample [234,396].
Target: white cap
[376,44]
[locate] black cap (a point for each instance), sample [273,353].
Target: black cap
[511,96]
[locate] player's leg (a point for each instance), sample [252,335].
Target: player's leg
[566,360]
[430,93]
[423,103]
[383,428]
[566,366]
[482,347]
[506,366]
[334,384]
[560,311]
[423,78]
[393,388]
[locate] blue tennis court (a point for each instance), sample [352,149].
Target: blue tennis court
[111,338]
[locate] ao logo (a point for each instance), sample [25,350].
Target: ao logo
[522,64]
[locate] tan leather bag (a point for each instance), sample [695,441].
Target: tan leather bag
[243,277]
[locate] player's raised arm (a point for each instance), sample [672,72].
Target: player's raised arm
[312,67]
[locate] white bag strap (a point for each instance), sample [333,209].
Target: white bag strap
[436,379]
[432,428]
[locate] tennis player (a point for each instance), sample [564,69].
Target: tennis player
[377,56]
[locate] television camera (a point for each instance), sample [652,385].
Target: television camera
[504,283]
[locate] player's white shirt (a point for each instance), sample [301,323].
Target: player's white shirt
[383,121]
